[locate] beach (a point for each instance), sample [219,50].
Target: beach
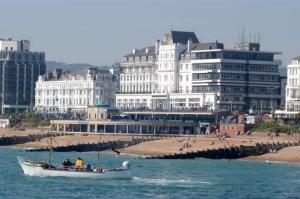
[289,154]
[9,132]
[167,145]
[196,143]
[72,139]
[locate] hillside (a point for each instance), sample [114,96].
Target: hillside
[52,65]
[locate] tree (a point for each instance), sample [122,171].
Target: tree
[297,118]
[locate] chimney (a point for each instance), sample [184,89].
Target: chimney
[189,43]
[157,46]
[57,73]
[133,51]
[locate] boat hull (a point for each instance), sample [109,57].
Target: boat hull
[33,170]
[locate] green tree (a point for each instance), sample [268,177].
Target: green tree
[297,118]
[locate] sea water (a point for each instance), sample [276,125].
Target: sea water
[199,178]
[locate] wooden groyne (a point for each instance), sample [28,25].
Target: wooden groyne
[230,152]
[12,140]
[86,147]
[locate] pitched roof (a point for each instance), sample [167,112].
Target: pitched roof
[181,37]
[143,52]
[297,58]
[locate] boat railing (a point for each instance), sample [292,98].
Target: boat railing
[74,169]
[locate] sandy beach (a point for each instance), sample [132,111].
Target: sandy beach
[12,132]
[168,145]
[176,144]
[72,140]
[289,154]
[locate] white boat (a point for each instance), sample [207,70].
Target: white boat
[43,169]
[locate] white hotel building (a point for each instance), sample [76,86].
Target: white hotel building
[293,87]
[68,93]
[182,73]
[152,77]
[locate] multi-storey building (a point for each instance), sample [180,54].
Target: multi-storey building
[293,86]
[137,79]
[283,81]
[167,73]
[242,78]
[188,75]
[67,92]
[20,69]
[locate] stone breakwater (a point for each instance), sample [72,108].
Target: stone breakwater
[87,147]
[13,140]
[230,152]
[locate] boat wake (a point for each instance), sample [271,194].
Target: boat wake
[163,181]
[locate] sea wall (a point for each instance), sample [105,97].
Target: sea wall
[12,140]
[230,152]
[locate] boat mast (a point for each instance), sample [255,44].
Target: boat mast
[50,150]
[98,147]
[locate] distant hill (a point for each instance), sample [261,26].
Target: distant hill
[52,65]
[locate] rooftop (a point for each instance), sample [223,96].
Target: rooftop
[181,37]
[297,58]
[150,50]
[207,46]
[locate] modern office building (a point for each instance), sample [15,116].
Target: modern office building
[283,81]
[74,92]
[20,69]
[182,73]
[241,78]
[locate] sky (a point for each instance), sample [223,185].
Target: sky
[100,32]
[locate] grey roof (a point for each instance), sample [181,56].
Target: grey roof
[207,46]
[181,37]
[297,58]
[142,52]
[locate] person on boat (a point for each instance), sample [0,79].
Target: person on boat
[67,163]
[79,163]
[89,167]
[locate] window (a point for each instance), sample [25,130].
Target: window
[166,77]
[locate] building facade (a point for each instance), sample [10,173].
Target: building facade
[293,86]
[137,78]
[73,93]
[187,74]
[241,78]
[20,69]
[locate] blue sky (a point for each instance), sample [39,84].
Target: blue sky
[100,32]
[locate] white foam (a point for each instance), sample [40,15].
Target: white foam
[163,181]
